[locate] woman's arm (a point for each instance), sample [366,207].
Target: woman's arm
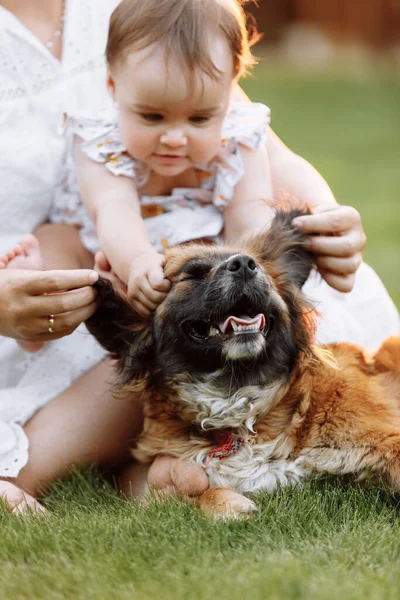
[290,172]
[296,176]
[250,209]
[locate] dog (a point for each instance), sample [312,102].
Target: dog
[235,381]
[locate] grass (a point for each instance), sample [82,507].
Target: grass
[328,540]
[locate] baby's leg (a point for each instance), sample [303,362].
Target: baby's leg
[62,248]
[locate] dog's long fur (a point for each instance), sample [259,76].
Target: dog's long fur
[299,410]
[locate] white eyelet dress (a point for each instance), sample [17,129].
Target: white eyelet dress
[35,91]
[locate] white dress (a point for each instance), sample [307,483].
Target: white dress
[35,90]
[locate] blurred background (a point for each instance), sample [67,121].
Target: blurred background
[330,72]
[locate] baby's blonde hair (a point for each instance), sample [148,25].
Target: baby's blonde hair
[181,26]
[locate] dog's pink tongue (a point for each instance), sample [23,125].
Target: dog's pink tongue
[242,320]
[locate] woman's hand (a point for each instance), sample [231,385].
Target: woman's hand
[147,286]
[28,298]
[338,239]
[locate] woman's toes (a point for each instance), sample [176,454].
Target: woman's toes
[29,506]
[18,501]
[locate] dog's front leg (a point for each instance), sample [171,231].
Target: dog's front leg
[223,503]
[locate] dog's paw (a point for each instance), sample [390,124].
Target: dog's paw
[222,503]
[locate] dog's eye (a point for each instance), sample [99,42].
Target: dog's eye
[200,329]
[196,272]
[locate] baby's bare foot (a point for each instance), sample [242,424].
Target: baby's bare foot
[19,502]
[25,255]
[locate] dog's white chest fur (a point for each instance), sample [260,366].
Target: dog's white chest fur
[254,466]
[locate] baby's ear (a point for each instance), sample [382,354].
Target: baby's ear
[120,329]
[282,247]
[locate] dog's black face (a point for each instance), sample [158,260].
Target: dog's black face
[221,309]
[233,313]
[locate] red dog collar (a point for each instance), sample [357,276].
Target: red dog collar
[228,444]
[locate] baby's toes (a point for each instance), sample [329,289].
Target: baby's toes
[16,251]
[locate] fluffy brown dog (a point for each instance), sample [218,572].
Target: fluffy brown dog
[235,382]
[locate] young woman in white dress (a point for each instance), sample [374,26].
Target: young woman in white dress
[56,402]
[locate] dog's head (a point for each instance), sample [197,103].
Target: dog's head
[237,313]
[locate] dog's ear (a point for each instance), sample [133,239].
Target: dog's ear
[282,246]
[124,333]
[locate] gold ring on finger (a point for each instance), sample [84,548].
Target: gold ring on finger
[51,324]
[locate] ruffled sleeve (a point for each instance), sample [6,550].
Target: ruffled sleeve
[245,124]
[102,143]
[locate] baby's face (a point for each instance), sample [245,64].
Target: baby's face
[166,123]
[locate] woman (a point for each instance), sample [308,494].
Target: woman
[52,57]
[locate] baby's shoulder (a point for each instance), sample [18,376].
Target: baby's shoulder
[246,123]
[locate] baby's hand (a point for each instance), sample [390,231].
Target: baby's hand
[147,286]
[338,239]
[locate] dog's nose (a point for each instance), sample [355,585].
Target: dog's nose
[242,265]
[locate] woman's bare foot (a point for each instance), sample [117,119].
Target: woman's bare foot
[25,255]
[19,502]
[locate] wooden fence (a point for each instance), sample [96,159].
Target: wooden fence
[374,22]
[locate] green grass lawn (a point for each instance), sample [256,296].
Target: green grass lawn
[328,540]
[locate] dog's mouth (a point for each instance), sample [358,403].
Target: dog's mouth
[227,328]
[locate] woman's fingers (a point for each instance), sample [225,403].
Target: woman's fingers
[342,283]
[64,302]
[47,282]
[61,324]
[341,266]
[339,246]
[329,219]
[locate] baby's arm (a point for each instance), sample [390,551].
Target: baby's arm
[114,206]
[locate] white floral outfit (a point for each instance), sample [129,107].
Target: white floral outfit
[187,213]
[35,90]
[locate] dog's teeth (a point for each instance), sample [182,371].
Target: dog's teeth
[213,331]
[235,326]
